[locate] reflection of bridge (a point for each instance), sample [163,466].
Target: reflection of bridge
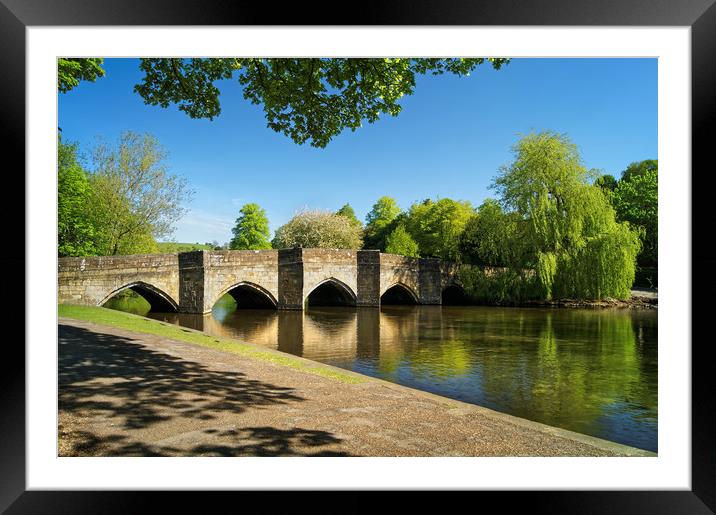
[192,282]
[327,333]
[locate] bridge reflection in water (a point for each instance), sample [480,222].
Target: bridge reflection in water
[590,371]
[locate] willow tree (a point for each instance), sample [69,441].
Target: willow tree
[579,248]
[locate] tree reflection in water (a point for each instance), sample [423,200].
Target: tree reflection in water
[590,371]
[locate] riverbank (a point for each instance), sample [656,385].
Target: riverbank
[640,299]
[131,386]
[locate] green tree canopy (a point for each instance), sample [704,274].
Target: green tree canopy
[380,222]
[134,197]
[636,201]
[306,99]
[607,182]
[494,238]
[318,229]
[251,231]
[71,71]
[401,243]
[639,168]
[437,226]
[580,249]
[350,214]
[75,231]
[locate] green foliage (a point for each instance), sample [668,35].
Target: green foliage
[636,201]
[580,249]
[136,242]
[251,231]
[437,226]
[606,182]
[546,269]
[380,222]
[494,238]
[134,199]
[75,232]
[170,247]
[501,286]
[71,71]
[318,229]
[544,185]
[604,267]
[401,243]
[639,168]
[306,99]
[350,214]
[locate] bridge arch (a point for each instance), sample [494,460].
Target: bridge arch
[249,295]
[399,293]
[454,295]
[159,300]
[331,292]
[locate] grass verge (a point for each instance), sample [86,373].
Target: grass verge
[140,324]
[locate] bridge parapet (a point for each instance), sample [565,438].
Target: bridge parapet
[93,263]
[192,282]
[93,280]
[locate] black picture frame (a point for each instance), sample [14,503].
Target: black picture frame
[700,15]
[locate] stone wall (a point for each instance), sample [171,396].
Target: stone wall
[229,268]
[430,281]
[290,279]
[368,278]
[321,265]
[92,280]
[449,274]
[192,281]
[403,270]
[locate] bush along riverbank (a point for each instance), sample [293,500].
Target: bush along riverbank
[522,288]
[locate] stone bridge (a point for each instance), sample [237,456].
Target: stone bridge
[192,282]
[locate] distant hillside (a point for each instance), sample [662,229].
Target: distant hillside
[170,246]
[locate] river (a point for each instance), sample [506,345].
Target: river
[593,371]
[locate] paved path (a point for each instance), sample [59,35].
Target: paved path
[123,393]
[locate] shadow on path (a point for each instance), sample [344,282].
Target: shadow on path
[251,441]
[115,379]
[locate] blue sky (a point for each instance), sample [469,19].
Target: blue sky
[450,140]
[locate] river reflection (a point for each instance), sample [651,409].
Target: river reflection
[590,371]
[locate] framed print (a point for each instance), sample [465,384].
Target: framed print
[676,472]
